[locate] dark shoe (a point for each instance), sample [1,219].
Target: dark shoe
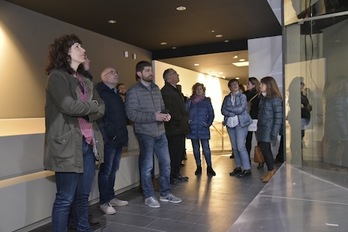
[260,165]
[94,225]
[210,171]
[245,173]
[181,178]
[198,170]
[232,156]
[236,172]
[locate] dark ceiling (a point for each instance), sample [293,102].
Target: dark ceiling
[190,35]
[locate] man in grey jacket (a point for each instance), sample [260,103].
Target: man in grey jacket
[145,107]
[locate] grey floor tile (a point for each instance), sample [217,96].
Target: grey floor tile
[293,201]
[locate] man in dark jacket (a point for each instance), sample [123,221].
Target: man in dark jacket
[177,127]
[114,129]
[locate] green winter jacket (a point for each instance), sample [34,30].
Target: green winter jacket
[63,138]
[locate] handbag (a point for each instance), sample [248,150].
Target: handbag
[258,156]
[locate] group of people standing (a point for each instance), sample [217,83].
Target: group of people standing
[265,102]
[87,124]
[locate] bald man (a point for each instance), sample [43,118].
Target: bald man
[114,129]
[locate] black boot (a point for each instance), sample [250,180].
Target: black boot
[198,170]
[210,171]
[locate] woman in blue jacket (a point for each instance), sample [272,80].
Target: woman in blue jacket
[200,118]
[269,121]
[237,120]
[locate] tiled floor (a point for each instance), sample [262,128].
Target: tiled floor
[293,201]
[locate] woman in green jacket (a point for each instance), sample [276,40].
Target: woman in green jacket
[72,140]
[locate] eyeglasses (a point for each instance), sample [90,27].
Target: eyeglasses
[111,72]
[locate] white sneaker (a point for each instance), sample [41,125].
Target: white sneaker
[152,202]
[171,198]
[107,208]
[118,202]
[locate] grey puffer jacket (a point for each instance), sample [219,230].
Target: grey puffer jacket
[141,105]
[239,109]
[269,119]
[63,138]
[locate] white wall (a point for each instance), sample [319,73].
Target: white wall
[265,58]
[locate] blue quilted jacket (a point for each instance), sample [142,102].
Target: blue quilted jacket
[270,119]
[200,118]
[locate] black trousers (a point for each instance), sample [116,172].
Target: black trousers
[176,145]
[248,141]
[267,153]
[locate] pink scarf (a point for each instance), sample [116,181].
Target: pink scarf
[196,99]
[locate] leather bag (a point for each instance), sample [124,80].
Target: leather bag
[258,156]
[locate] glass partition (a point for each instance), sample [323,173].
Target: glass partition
[316,69]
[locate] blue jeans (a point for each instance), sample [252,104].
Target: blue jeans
[107,173]
[197,151]
[71,187]
[237,136]
[149,145]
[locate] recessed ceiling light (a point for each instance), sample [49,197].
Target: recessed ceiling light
[112,21]
[196,64]
[226,41]
[181,8]
[163,43]
[218,36]
[237,78]
[173,47]
[241,60]
[235,57]
[241,64]
[212,31]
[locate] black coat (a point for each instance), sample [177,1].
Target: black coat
[254,110]
[175,104]
[114,123]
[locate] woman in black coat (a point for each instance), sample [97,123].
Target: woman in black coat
[269,121]
[252,95]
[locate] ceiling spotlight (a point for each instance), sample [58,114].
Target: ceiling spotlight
[181,8]
[218,36]
[112,21]
[241,64]
[173,47]
[196,64]
[226,41]
[237,78]
[241,60]
[235,57]
[212,31]
[164,43]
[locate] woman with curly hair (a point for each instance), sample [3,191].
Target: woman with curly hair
[269,121]
[200,118]
[73,141]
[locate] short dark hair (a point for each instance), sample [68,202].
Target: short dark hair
[231,81]
[141,65]
[166,73]
[58,53]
